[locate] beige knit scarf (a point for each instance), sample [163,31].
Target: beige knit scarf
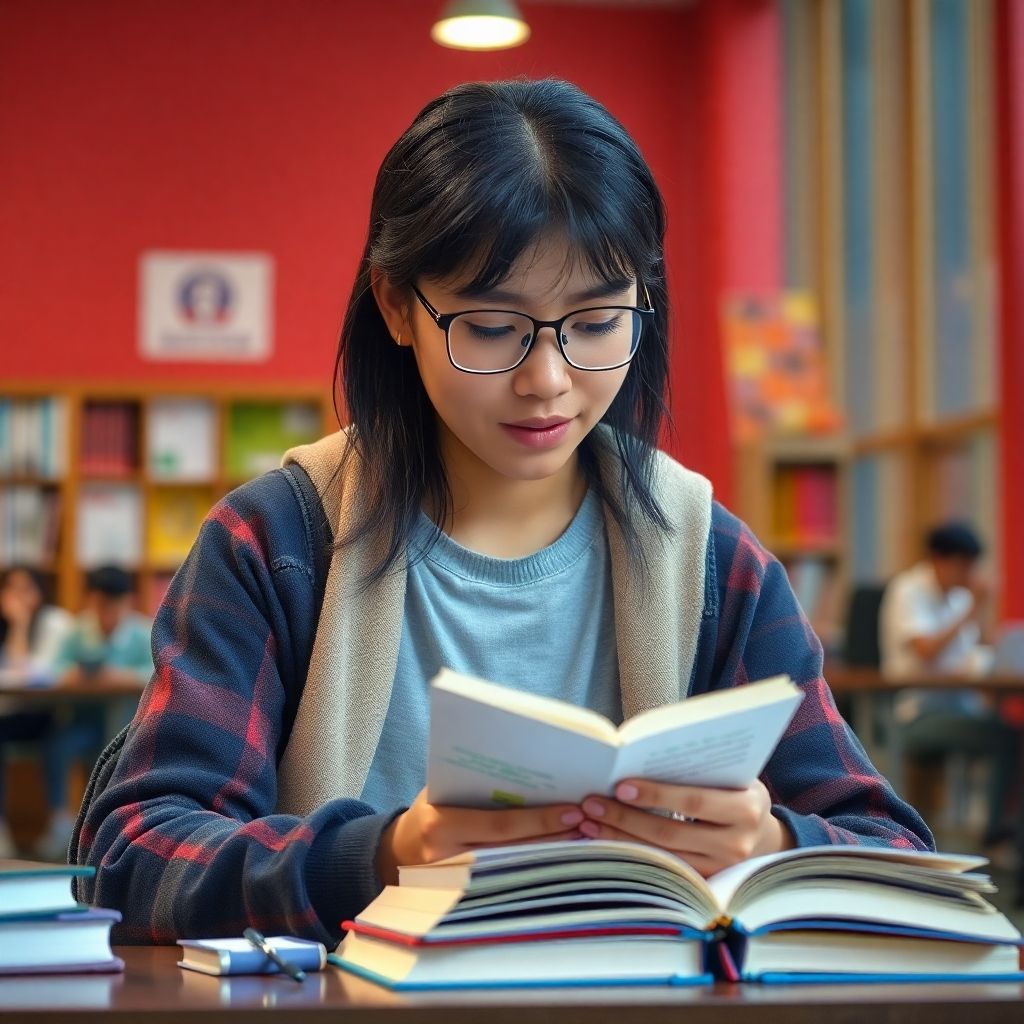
[352,666]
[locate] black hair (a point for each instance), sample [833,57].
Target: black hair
[954,539]
[481,173]
[40,582]
[110,581]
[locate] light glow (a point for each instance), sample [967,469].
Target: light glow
[480,32]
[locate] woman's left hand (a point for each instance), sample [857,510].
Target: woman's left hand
[721,826]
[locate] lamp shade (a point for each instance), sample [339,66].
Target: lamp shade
[480,25]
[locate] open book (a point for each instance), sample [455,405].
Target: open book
[492,745]
[603,911]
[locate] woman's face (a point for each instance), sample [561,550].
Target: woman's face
[20,598]
[526,423]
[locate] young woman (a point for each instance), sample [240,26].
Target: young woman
[498,506]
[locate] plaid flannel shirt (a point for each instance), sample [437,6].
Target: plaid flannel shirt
[185,838]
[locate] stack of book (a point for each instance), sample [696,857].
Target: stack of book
[589,912]
[603,912]
[43,930]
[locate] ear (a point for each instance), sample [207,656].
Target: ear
[393,303]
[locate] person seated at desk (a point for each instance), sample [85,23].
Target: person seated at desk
[109,639]
[931,624]
[31,632]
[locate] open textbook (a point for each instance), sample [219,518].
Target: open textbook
[492,745]
[610,912]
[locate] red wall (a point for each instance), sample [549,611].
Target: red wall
[223,125]
[1010,193]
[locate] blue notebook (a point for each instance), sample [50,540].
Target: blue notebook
[238,956]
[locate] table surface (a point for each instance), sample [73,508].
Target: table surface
[97,688]
[154,990]
[842,678]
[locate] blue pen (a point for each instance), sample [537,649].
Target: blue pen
[260,942]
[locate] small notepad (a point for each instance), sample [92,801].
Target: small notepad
[238,956]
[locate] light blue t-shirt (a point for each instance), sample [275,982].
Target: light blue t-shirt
[544,623]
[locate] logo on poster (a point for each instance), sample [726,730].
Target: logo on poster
[205,297]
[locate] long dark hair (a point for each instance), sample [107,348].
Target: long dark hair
[40,583]
[479,175]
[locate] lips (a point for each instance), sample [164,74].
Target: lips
[540,422]
[538,432]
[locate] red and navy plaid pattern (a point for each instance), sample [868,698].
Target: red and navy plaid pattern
[185,840]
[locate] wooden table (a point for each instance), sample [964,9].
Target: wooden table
[153,990]
[868,690]
[116,695]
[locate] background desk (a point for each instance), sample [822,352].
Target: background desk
[868,690]
[116,696]
[153,990]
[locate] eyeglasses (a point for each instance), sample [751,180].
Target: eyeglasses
[498,340]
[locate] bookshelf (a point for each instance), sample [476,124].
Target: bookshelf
[126,474]
[888,167]
[792,490]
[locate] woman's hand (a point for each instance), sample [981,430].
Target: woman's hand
[426,833]
[721,826]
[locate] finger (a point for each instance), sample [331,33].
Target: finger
[656,829]
[701,860]
[503,827]
[717,806]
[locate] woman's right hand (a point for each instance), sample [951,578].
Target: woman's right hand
[426,833]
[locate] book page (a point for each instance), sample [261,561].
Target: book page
[481,755]
[725,752]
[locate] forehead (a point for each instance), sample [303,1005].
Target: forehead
[545,271]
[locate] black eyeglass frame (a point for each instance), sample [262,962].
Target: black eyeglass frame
[444,322]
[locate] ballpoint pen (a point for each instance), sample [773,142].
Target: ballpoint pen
[260,942]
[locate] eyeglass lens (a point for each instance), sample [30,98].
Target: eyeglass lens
[592,339]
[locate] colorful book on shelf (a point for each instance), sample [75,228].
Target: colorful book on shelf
[174,516]
[109,525]
[238,956]
[181,439]
[492,745]
[109,443]
[608,912]
[259,433]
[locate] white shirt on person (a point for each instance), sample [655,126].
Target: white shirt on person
[914,605]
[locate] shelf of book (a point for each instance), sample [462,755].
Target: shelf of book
[889,122]
[792,490]
[126,474]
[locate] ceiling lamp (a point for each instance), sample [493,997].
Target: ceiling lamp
[480,25]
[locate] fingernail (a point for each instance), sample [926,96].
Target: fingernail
[593,808]
[573,817]
[590,829]
[627,791]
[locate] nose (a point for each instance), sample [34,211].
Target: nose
[544,372]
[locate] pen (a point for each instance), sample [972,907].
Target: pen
[260,942]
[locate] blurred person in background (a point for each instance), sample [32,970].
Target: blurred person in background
[31,633]
[108,640]
[932,622]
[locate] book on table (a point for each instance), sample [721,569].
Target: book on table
[43,930]
[608,912]
[238,956]
[491,745]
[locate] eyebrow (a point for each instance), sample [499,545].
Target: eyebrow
[603,290]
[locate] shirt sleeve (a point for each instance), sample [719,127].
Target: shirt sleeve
[54,629]
[67,650]
[185,838]
[140,655]
[822,783]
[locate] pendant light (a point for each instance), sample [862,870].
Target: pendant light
[480,25]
